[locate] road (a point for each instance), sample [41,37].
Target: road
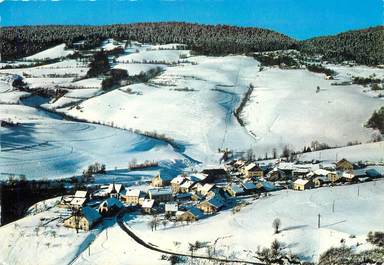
[150,246]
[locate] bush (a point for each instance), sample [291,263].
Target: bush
[107,83]
[376,238]
[318,68]
[377,120]
[99,64]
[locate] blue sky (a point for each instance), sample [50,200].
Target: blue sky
[300,19]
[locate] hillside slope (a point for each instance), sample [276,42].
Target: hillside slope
[364,46]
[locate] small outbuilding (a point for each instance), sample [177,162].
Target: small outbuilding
[302,184]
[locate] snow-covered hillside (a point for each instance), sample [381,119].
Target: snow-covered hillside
[285,109]
[52,53]
[298,211]
[232,235]
[49,148]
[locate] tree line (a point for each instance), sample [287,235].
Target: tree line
[23,41]
[362,46]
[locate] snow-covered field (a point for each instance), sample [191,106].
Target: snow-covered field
[201,118]
[49,148]
[298,211]
[236,235]
[286,110]
[52,53]
[41,239]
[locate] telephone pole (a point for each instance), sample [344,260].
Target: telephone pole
[318,221]
[333,206]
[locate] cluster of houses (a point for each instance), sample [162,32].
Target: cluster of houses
[190,197]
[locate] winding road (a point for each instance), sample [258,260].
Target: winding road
[150,246]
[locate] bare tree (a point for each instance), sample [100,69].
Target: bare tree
[276,225]
[274,153]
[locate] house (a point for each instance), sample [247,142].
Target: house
[160,181]
[212,204]
[171,208]
[320,181]
[110,206]
[287,168]
[373,173]
[300,172]
[132,196]
[234,190]
[265,186]
[78,202]
[252,170]
[192,214]
[344,165]
[186,186]
[81,194]
[115,190]
[349,177]
[249,187]
[176,183]
[205,189]
[214,174]
[302,184]
[333,176]
[161,194]
[87,217]
[197,177]
[147,205]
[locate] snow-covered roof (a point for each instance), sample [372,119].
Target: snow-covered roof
[113,202]
[216,201]
[321,172]
[178,180]
[81,194]
[195,212]
[187,184]
[78,201]
[206,187]
[91,215]
[181,196]
[148,203]
[160,191]
[301,170]
[286,166]
[197,176]
[249,185]
[133,193]
[118,187]
[301,181]
[252,166]
[373,172]
[236,188]
[171,207]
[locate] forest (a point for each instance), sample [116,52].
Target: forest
[362,46]
[205,39]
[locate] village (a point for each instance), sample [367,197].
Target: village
[189,197]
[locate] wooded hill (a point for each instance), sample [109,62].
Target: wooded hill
[206,39]
[363,46]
